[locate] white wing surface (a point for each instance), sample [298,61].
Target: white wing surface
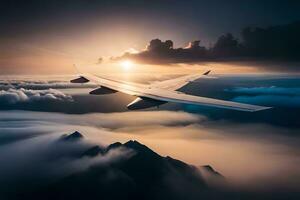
[160,94]
[177,83]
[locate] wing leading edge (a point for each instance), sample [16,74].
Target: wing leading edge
[147,93]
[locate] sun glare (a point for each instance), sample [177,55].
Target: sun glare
[126,64]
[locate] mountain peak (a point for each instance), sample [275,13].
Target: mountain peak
[93,151]
[139,176]
[113,146]
[132,142]
[211,170]
[73,137]
[142,150]
[135,145]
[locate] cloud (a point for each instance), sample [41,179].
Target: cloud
[41,85]
[273,90]
[259,46]
[271,100]
[110,120]
[264,151]
[272,96]
[14,96]
[158,52]
[59,95]
[45,159]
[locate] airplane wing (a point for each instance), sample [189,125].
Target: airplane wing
[151,95]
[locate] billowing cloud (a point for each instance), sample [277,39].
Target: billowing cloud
[272,96]
[46,158]
[41,85]
[14,96]
[256,45]
[158,52]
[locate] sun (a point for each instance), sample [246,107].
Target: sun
[126,64]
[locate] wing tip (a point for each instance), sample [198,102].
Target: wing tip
[260,108]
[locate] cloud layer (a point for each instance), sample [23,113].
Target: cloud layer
[272,90]
[14,96]
[273,96]
[271,100]
[110,120]
[42,84]
[188,137]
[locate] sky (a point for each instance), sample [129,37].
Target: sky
[48,37]
[41,40]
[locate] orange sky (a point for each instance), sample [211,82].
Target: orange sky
[56,55]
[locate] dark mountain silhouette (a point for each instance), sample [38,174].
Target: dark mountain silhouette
[93,151]
[209,169]
[136,173]
[142,175]
[113,146]
[72,137]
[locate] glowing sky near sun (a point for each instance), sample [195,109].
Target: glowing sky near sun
[48,38]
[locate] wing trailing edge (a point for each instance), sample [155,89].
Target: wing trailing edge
[102,90]
[142,103]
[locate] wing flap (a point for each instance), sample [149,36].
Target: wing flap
[102,90]
[81,79]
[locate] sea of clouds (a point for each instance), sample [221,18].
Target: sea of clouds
[256,153]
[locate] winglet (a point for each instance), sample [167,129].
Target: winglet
[81,78]
[76,69]
[206,73]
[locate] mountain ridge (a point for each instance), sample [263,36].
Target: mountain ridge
[142,174]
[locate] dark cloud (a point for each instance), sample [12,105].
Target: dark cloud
[271,43]
[158,52]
